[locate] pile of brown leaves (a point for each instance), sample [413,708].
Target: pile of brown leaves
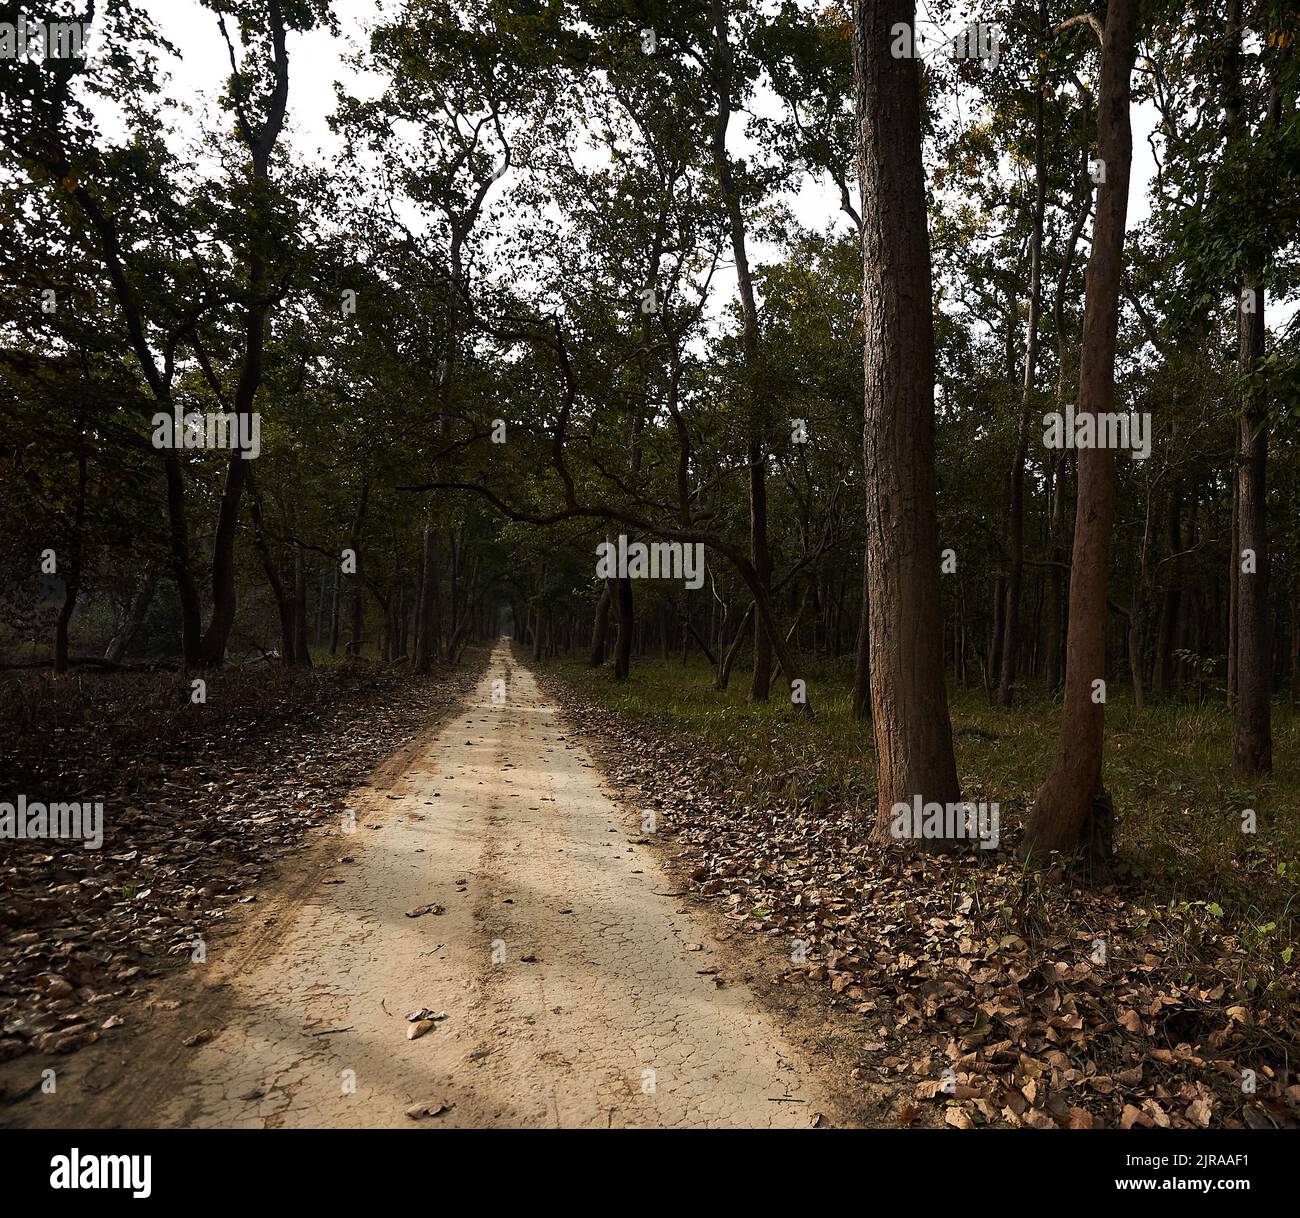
[1004,996]
[199,803]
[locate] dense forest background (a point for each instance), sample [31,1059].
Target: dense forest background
[542,300]
[799,284]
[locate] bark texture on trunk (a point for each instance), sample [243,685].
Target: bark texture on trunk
[1072,809]
[909,700]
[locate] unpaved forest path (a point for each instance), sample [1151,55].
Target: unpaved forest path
[500,819]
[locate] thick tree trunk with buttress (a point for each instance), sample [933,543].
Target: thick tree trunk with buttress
[909,699]
[1072,809]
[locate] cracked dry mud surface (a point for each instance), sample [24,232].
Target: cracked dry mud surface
[603,1006]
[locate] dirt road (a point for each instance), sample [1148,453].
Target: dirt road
[575,989]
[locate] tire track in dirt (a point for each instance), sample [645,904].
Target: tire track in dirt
[575,992]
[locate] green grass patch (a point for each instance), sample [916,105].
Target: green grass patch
[1180,841]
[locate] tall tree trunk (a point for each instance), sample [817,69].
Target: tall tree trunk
[760,684]
[1071,808]
[1057,601]
[261,144]
[1253,737]
[761,681]
[1016,496]
[1252,666]
[909,700]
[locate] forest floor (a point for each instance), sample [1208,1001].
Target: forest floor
[561,901]
[496,944]
[973,990]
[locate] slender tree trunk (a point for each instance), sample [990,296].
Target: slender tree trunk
[72,572]
[426,631]
[1234,568]
[600,628]
[1057,623]
[358,584]
[283,604]
[1016,496]
[135,615]
[909,700]
[626,624]
[186,589]
[1072,809]
[257,312]
[1253,736]
[761,680]
[224,597]
[861,704]
[1295,646]
[993,666]
[760,685]
[302,653]
[727,656]
[334,613]
[1166,628]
